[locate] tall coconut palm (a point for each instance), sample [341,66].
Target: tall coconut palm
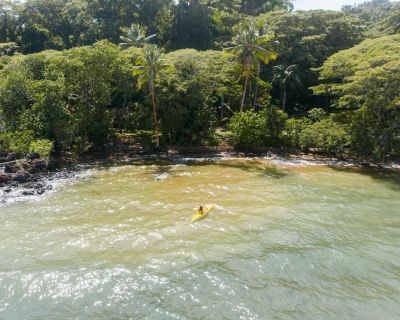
[285,77]
[149,65]
[135,36]
[250,50]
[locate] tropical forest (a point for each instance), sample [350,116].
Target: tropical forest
[76,73]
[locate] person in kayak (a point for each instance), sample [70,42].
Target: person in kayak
[201,210]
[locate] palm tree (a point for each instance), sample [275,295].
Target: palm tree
[135,36]
[248,50]
[286,76]
[149,65]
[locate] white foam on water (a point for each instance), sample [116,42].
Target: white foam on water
[162,177]
[57,182]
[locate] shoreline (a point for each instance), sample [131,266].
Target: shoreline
[21,185]
[220,153]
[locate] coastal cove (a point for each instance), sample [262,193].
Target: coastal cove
[199,160]
[286,237]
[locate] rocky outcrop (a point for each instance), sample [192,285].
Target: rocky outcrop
[22,171]
[53,165]
[21,176]
[7,157]
[9,169]
[35,166]
[28,177]
[4,178]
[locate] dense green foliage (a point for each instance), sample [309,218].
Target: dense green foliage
[76,72]
[42,147]
[249,129]
[37,25]
[307,39]
[192,94]
[65,96]
[378,16]
[255,129]
[365,82]
[326,135]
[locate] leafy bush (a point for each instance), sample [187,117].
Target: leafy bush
[293,130]
[249,129]
[275,124]
[133,117]
[42,147]
[316,114]
[18,141]
[376,132]
[325,135]
[5,139]
[15,96]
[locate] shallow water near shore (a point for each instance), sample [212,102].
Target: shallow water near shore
[285,241]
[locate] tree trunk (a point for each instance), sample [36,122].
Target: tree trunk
[246,84]
[255,96]
[153,102]
[284,98]
[256,88]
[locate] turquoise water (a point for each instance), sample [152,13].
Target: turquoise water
[284,242]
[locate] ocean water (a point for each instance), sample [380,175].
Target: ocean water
[285,241]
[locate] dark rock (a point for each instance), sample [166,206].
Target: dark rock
[37,166]
[12,156]
[4,178]
[49,187]
[33,156]
[39,185]
[21,176]
[30,185]
[53,165]
[366,164]
[40,191]
[13,184]
[28,193]
[8,190]
[9,169]
[61,175]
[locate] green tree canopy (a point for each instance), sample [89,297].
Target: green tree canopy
[366,79]
[307,39]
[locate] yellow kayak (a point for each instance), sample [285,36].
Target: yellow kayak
[198,216]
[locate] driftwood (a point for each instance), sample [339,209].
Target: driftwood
[8,163]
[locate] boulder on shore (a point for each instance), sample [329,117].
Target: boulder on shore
[28,193]
[35,166]
[7,156]
[21,176]
[9,169]
[4,178]
[53,165]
